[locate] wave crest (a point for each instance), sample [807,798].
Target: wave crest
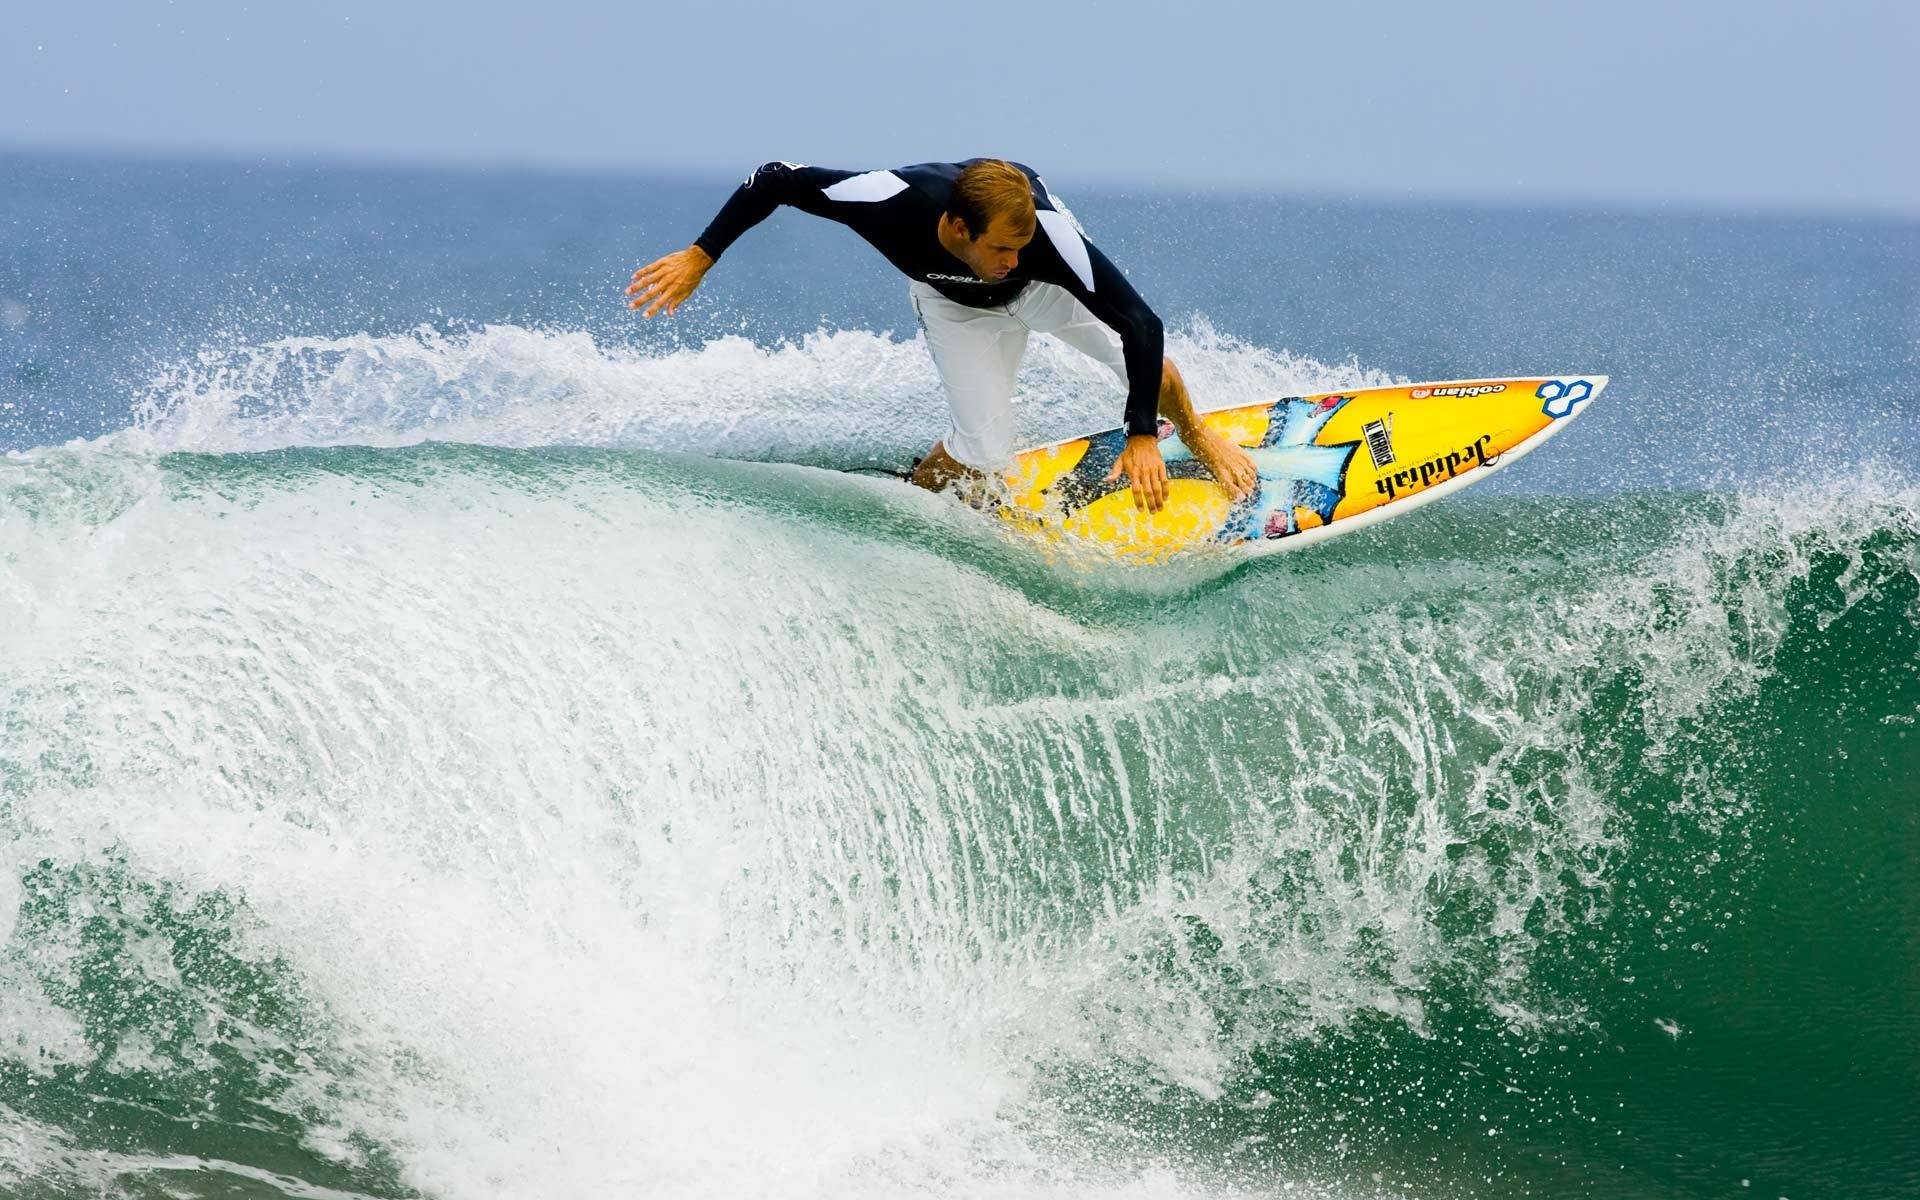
[833,397]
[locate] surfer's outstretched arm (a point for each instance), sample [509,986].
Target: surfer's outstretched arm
[770,186]
[667,282]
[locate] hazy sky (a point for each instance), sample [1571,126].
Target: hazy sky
[1770,103]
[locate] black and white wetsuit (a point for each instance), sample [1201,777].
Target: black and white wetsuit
[976,328]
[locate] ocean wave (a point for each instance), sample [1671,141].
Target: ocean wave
[529,822]
[833,397]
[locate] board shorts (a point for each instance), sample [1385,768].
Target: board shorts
[977,353]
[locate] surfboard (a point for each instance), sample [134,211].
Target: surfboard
[1329,463]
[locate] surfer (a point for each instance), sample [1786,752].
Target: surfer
[992,256]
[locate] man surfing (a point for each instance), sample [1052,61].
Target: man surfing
[992,257]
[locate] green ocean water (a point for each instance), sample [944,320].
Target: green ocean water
[446,820]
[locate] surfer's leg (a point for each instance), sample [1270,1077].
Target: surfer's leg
[1047,308]
[977,354]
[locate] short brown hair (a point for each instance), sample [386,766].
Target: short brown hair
[989,188]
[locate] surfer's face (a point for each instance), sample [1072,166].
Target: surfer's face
[994,254]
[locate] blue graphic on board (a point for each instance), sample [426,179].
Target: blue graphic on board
[1294,473]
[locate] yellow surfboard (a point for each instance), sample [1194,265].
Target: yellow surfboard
[1328,463]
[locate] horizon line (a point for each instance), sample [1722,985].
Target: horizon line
[1625,205]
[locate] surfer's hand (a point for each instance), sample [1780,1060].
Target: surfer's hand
[667,282]
[1228,463]
[1141,463]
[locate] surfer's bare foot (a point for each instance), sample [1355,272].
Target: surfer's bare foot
[1231,465]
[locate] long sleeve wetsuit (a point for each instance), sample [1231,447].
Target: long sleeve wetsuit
[899,211]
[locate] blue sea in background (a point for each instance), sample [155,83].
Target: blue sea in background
[456,741]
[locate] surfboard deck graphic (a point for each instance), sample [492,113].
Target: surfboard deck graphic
[1328,463]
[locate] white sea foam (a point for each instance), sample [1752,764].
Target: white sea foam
[832,397]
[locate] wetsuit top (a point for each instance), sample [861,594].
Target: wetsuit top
[899,211]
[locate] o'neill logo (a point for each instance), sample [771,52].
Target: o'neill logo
[1471,389]
[932,275]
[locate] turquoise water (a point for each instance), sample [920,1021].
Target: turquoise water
[436,761]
